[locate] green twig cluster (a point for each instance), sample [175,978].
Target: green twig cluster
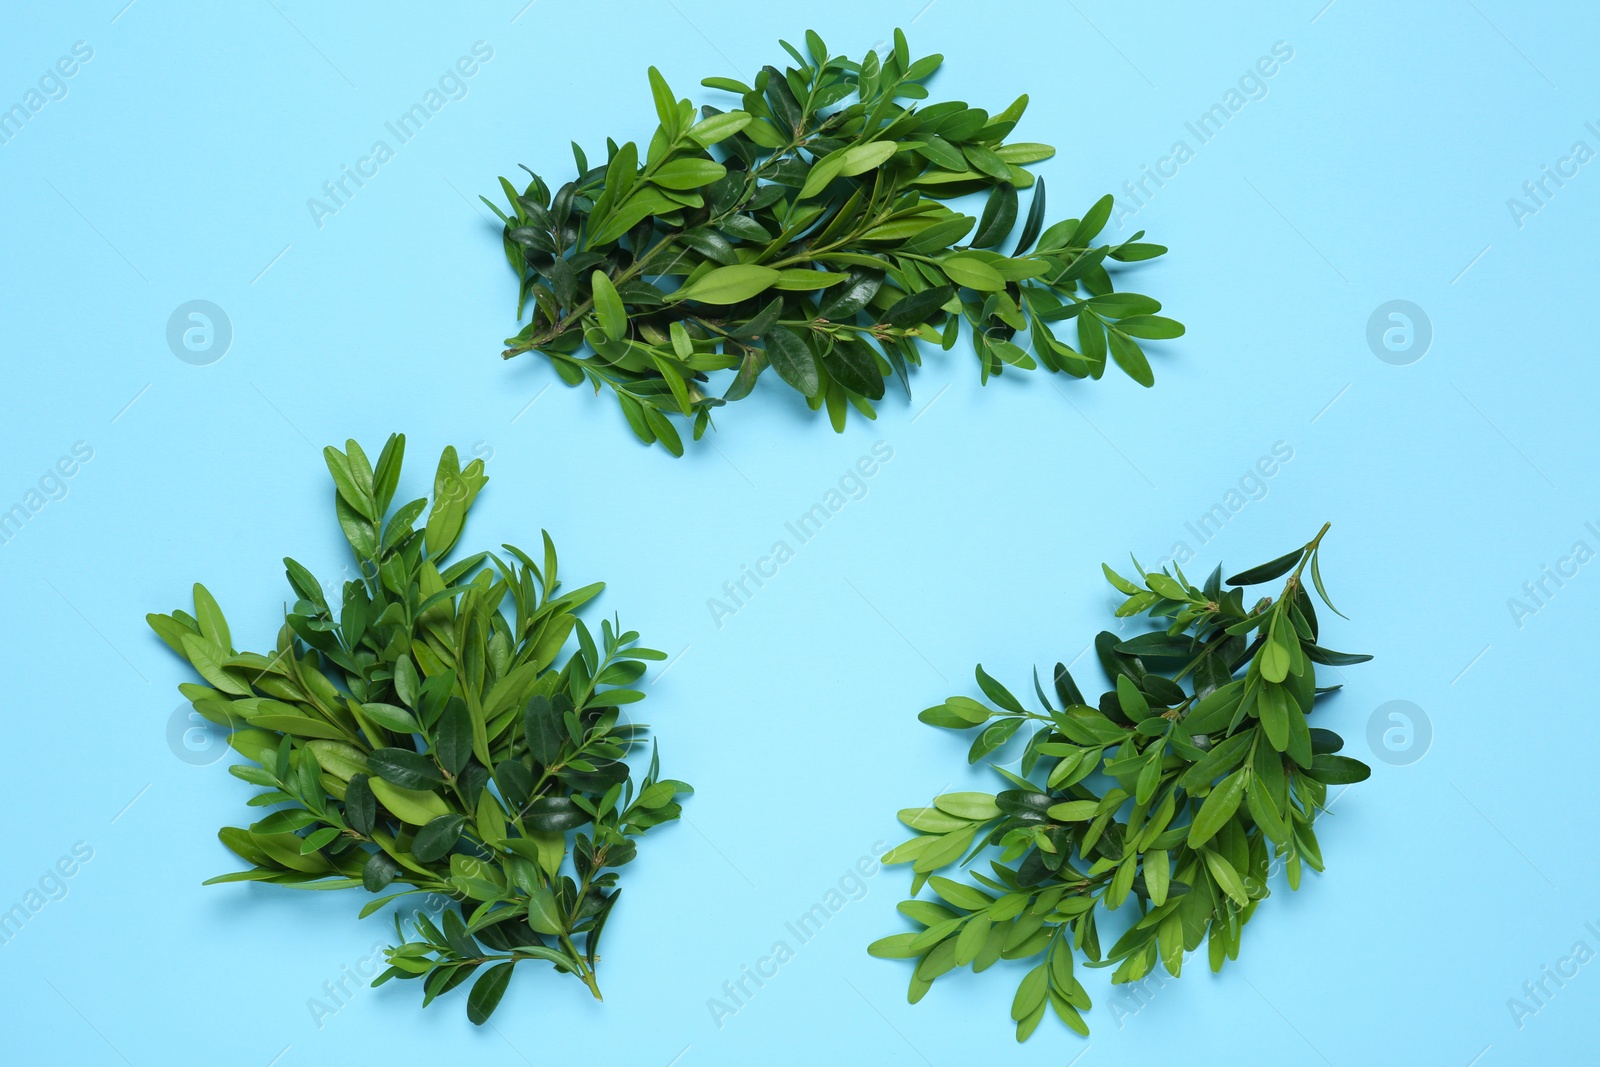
[1177,801]
[806,230]
[419,738]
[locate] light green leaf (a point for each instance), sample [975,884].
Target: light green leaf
[806,280]
[822,172]
[1218,808]
[688,173]
[975,806]
[708,132]
[729,285]
[608,306]
[1226,877]
[972,271]
[864,157]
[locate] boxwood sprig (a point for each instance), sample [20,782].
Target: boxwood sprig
[804,230]
[1178,792]
[416,738]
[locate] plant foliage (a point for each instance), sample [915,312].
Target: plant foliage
[415,738]
[805,229]
[1179,802]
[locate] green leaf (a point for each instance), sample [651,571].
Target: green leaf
[355,490]
[543,914]
[404,768]
[917,308]
[415,806]
[1272,705]
[1130,357]
[608,306]
[1316,579]
[1031,993]
[544,728]
[1157,875]
[807,280]
[435,840]
[987,162]
[1074,810]
[666,106]
[554,814]
[1035,221]
[822,172]
[1133,703]
[1024,152]
[999,215]
[894,947]
[1339,770]
[962,896]
[452,741]
[391,717]
[1094,220]
[378,872]
[978,807]
[997,692]
[213,627]
[864,157]
[1266,572]
[844,301]
[687,173]
[729,285]
[1275,657]
[709,131]
[1218,808]
[674,379]
[1226,877]
[971,271]
[1151,326]
[851,365]
[491,984]
[206,656]
[792,359]
[360,806]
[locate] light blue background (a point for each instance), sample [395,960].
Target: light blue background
[1377,167]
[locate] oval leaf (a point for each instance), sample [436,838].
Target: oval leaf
[729,285]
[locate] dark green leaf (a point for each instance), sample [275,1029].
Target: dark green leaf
[1034,222]
[378,872]
[435,840]
[791,358]
[409,770]
[1266,572]
[554,813]
[489,988]
[916,308]
[1339,770]
[544,729]
[850,363]
[360,806]
[452,744]
[999,215]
